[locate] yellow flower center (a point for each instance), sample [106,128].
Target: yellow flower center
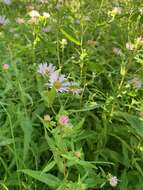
[57,84]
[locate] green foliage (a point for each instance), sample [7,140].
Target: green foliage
[80,129]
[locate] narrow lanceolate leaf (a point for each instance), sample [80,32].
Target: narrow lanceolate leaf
[123,181]
[49,96]
[49,166]
[26,126]
[134,122]
[6,141]
[70,38]
[48,179]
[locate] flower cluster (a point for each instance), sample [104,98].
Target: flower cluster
[57,80]
[113,181]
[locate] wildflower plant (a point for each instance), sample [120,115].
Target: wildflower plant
[71,88]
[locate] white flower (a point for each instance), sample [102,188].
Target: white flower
[59,82]
[113,181]
[141,10]
[136,83]
[3,20]
[74,88]
[34,13]
[44,1]
[117,51]
[63,43]
[139,40]
[117,10]
[47,29]
[20,20]
[129,46]
[46,15]
[44,69]
[7,2]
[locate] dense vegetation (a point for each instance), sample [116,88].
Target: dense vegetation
[71,95]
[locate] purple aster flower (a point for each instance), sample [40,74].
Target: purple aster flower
[3,20]
[58,81]
[7,2]
[44,69]
[74,88]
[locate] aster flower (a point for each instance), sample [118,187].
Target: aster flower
[139,40]
[74,88]
[113,181]
[117,10]
[117,51]
[59,82]
[7,2]
[47,29]
[33,20]
[45,69]
[34,13]
[136,82]
[46,15]
[130,46]
[20,20]
[3,20]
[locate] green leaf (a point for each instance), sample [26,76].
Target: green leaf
[94,182]
[26,126]
[134,121]
[139,60]
[139,168]
[48,179]
[123,69]
[69,37]
[49,166]
[123,181]
[49,96]
[6,141]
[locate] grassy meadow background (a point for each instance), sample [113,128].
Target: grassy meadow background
[71,94]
